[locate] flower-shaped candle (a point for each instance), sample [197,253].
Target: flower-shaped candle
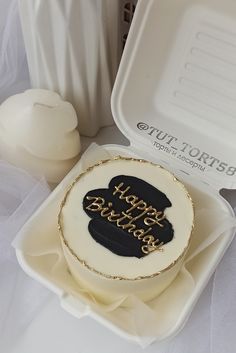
[38,133]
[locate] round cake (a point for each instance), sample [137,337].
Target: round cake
[125,226]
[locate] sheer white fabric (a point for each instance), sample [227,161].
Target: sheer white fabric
[20,297]
[20,194]
[14,76]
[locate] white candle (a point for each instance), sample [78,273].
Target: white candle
[38,132]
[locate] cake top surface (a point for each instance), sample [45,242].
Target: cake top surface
[126,218]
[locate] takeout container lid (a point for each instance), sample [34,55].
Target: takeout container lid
[174,94]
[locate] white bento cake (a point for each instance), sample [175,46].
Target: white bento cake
[125,226]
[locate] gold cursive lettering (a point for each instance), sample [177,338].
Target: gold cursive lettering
[139,233]
[96,205]
[158,217]
[146,249]
[125,219]
[118,190]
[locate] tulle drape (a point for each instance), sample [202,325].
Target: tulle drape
[20,296]
[14,75]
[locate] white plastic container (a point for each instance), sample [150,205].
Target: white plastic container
[171,100]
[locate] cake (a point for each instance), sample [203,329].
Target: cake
[125,225]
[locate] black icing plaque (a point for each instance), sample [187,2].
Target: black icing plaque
[128,217]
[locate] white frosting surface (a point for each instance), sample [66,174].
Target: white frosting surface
[74,220]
